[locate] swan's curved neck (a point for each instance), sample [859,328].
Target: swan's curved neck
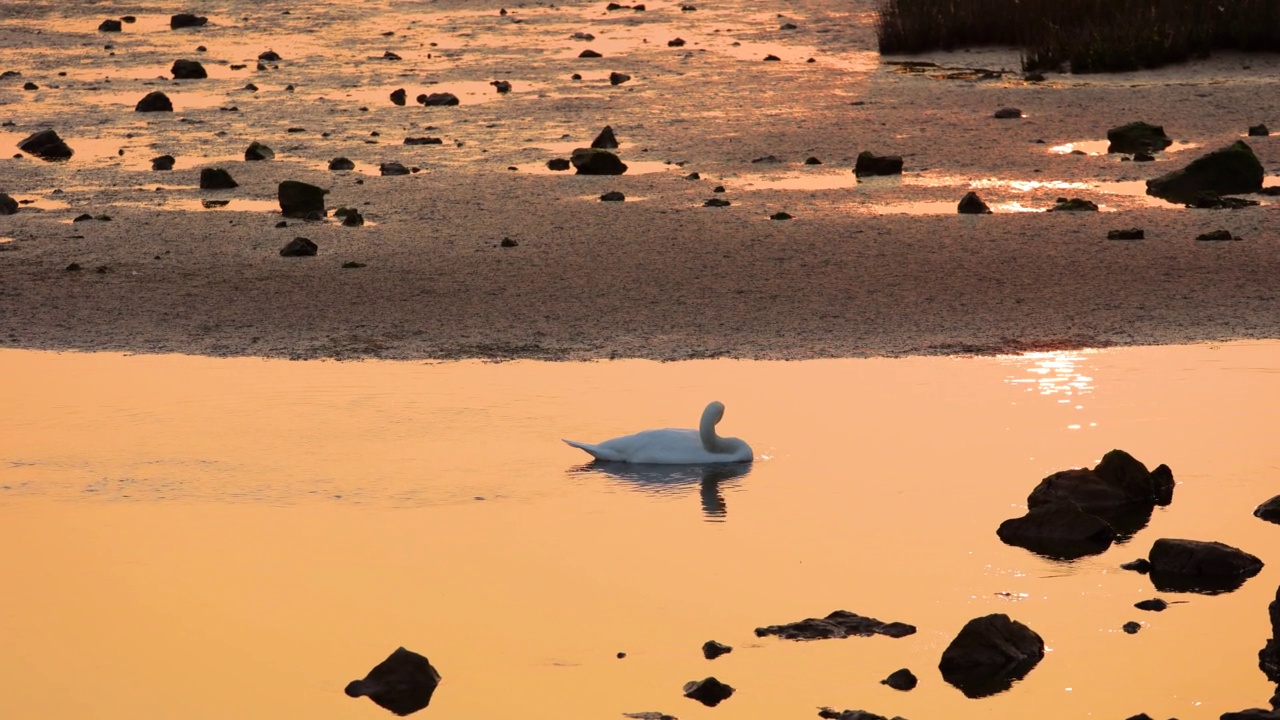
[707,428]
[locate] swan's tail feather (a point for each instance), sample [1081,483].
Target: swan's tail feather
[596,451]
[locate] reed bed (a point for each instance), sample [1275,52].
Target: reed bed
[1082,35]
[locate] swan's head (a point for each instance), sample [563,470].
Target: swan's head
[713,413]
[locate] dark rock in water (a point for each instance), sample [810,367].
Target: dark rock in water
[258,151]
[188,70]
[302,247]
[216,179]
[710,691]
[508,243]
[8,205]
[341,163]
[269,56]
[902,679]
[1131,627]
[1058,530]
[613,196]
[649,715]
[869,163]
[1254,130]
[1269,510]
[502,86]
[559,164]
[154,101]
[839,624]
[423,141]
[1119,490]
[1251,714]
[717,202]
[352,264]
[617,78]
[1130,234]
[780,215]
[1152,605]
[1197,566]
[971,204]
[1232,169]
[675,42]
[163,162]
[832,714]
[989,654]
[439,99]
[712,649]
[1217,236]
[393,168]
[300,200]
[46,145]
[595,161]
[606,139]
[772,58]
[1214,201]
[403,683]
[589,53]
[1008,113]
[186,20]
[1269,655]
[1137,137]
[1141,566]
[1075,205]
[110,26]
[398,97]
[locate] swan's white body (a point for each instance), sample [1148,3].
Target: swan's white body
[674,446]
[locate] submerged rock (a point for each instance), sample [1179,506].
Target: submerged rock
[989,654]
[216,179]
[188,70]
[403,683]
[1214,201]
[709,691]
[1058,530]
[971,204]
[1232,169]
[46,145]
[595,161]
[1075,205]
[1137,137]
[831,714]
[303,247]
[868,163]
[903,680]
[712,649]
[1198,566]
[300,200]
[1152,605]
[154,101]
[438,99]
[839,624]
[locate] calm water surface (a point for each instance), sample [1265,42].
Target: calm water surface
[200,538]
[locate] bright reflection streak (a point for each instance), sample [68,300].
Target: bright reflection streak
[1055,373]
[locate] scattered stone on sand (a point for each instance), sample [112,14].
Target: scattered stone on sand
[251,87]
[718,189]
[30,86]
[1214,201]
[788,26]
[1058,530]
[772,58]
[46,145]
[341,163]
[510,243]
[300,200]
[812,161]
[766,160]
[73,267]
[216,179]
[403,683]
[589,53]
[1131,627]
[839,624]
[597,161]
[302,247]
[989,654]
[1232,169]
[1179,565]
[1269,510]
[110,26]
[693,176]
[712,649]
[902,679]
[1074,205]
[1258,130]
[717,202]
[207,203]
[617,78]
[8,205]
[398,97]
[393,168]
[780,215]
[443,99]
[675,42]
[709,691]
[423,141]
[582,36]
[154,101]
[1008,113]
[1218,236]
[186,20]
[868,163]
[350,217]
[1127,234]
[606,139]
[269,56]
[353,265]
[388,55]
[1137,137]
[1033,77]
[1152,605]
[559,164]
[163,162]
[1143,157]
[188,70]
[971,204]
[502,86]
[1141,566]
[613,196]
[258,151]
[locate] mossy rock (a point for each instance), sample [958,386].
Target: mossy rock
[1137,137]
[1232,169]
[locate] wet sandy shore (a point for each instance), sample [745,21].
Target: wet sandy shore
[875,268]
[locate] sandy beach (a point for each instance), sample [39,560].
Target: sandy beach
[883,267]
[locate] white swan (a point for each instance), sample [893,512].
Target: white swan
[672,446]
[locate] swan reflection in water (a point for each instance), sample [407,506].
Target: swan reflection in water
[670,479]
